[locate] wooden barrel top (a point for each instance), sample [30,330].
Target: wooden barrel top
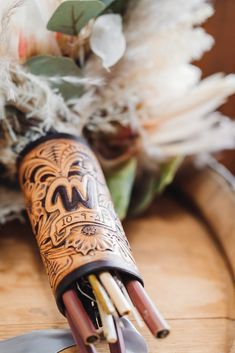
[185,269]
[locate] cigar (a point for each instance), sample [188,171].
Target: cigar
[115,293]
[77,338]
[109,329]
[79,317]
[119,346]
[149,313]
[135,314]
[101,295]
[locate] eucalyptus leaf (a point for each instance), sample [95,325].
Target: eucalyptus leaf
[120,184]
[61,73]
[72,15]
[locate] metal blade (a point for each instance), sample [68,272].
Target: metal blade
[55,341]
[48,341]
[133,340]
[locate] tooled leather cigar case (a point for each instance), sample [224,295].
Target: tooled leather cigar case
[71,212]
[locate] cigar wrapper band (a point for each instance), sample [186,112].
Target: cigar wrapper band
[71,213]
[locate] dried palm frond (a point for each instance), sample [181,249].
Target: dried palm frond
[157,92]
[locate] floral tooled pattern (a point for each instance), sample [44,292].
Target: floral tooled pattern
[70,209]
[34,194]
[88,241]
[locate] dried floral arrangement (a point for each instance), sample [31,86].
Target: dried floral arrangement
[114,76]
[118,72]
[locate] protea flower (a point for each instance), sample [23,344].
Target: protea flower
[24,28]
[25,25]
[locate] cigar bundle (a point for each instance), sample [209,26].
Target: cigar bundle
[86,254]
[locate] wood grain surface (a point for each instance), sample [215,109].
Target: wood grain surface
[185,274]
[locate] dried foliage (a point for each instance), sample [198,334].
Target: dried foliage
[151,107]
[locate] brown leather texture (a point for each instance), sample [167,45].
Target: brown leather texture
[70,209]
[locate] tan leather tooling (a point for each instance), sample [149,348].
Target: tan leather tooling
[70,209]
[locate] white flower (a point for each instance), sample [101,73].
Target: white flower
[107,39]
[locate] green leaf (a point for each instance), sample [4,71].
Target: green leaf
[149,185]
[143,193]
[108,2]
[119,6]
[168,172]
[120,184]
[115,6]
[58,70]
[72,15]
